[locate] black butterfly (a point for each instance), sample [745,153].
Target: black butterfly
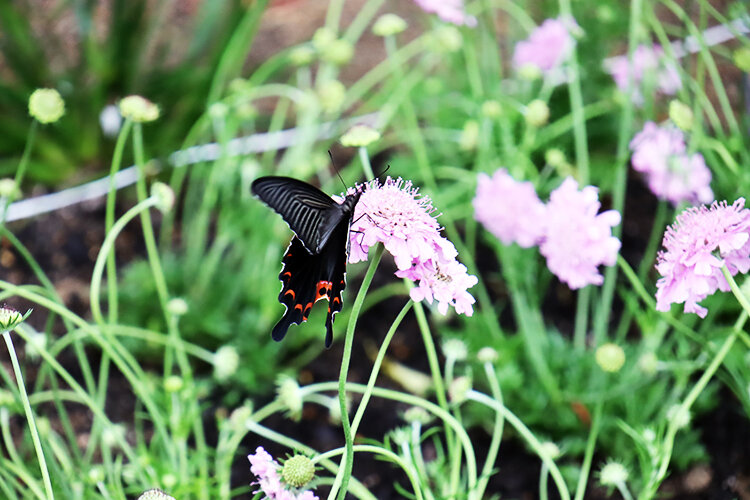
[314,264]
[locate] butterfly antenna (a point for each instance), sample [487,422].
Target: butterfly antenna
[337,170]
[381,174]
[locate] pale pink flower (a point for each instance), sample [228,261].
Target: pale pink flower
[578,239]
[266,470]
[509,209]
[671,174]
[451,11]
[696,246]
[645,60]
[546,47]
[396,215]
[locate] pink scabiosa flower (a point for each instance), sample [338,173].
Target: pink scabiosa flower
[645,60]
[451,11]
[278,483]
[396,215]
[547,46]
[695,247]
[577,239]
[659,153]
[509,209]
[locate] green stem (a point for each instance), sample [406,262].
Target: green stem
[29,416]
[497,431]
[345,472]
[589,453]
[22,165]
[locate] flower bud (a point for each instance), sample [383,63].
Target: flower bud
[331,95]
[298,471]
[226,362]
[681,115]
[555,158]
[359,136]
[110,120]
[36,344]
[537,113]
[177,306]
[6,398]
[388,25]
[680,416]
[289,395]
[447,38]
[164,196]
[95,474]
[10,318]
[487,355]
[459,388]
[173,383]
[551,449]
[610,357]
[741,58]
[492,109]
[469,136]
[138,109]
[322,38]
[154,494]
[113,434]
[529,72]
[46,105]
[8,188]
[613,474]
[169,480]
[455,349]
[302,55]
[338,52]
[648,363]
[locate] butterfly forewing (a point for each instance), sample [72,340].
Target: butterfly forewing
[305,208]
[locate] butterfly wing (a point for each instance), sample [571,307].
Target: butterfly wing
[310,213]
[308,278]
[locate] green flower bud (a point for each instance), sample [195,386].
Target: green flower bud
[218,111]
[322,38]
[613,474]
[447,38]
[529,72]
[648,363]
[10,318]
[138,109]
[226,362]
[298,471]
[487,355]
[537,113]
[551,449]
[173,383]
[678,415]
[555,158]
[459,388]
[359,136]
[492,109]
[95,474]
[164,196]
[417,414]
[46,105]
[36,344]
[113,435]
[681,115]
[610,357]
[302,55]
[154,494]
[8,188]
[169,480]
[455,349]
[289,395]
[338,52]
[43,426]
[331,95]
[177,306]
[741,58]
[469,136]
[389,25]
[239,417]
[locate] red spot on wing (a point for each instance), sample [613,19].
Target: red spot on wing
[323,290]
[290,292]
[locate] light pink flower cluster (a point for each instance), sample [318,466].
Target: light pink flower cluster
[672,174]
[571,234]
[645,60]
[696,245]
[578,239]
[451,11]
[546,47]
[511,225]
[266,470]
[396,215]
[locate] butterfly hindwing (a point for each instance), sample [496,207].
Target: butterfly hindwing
[307,279]
[310,213]
[314,265]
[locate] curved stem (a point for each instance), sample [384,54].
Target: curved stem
[342,478]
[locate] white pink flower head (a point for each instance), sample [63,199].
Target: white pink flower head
[547,47]
[451,11]
[701,240]
[646,60]
[266,470]
[571,234]
[660,154]
[395,214]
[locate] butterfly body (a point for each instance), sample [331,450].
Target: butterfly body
[314,264]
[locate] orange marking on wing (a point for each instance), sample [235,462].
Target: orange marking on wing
[306,313]
[336,300]
[290,292]
[323,289]
[287,275]
[298,306]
